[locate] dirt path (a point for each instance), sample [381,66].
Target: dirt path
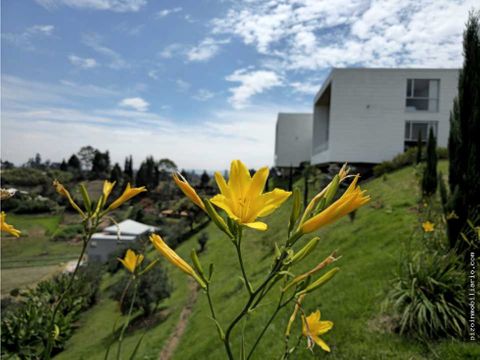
[174,339]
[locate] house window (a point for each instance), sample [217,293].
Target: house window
[422,95]
[415,128]
[93,244]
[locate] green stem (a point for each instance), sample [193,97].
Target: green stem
[267,325]
[50,339]
[238,245]
[127,322]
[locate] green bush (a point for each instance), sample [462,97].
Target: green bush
[23,177]
[428,296]
[406,158]
[67,232]
[153,287]
[24,326]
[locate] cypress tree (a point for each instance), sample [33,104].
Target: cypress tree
[419,148]
[116,174]
[429,181]
[463,145]
[128,169]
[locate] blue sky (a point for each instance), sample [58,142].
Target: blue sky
[199,82]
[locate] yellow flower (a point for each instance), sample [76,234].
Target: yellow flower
[428,226]
[351,200]
[64,192]
[7,227]
[173,257]
[107,189]
[128,193]
[188,190]
[243,198]
[312,329]
[131,260]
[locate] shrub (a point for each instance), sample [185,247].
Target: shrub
[428,296]
[153,287]
[429,180]
[406,158]
[68,232]
[23,326]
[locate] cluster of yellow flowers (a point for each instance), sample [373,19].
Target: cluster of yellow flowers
[243,200]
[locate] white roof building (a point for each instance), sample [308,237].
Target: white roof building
[368,116]
[293,139]
[102,244]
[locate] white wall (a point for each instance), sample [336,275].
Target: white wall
[293,139]
[368,114]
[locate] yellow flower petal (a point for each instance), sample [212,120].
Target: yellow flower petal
[188,190]
[428,226]
[131,260]
[107,189]
[320,343]
[312,328]
[128,193]
[64,192]
[258,225]
[352,199]
[242,197]
[170,255]
[7,227]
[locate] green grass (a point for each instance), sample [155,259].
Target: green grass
[371,247]
[34,247]
[20,278]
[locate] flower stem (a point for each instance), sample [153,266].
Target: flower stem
[50,339]
[127,322]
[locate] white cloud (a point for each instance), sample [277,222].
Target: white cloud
[111,5]
[165,12]
[94,41]
[153,74]
[304,87]
[317,34]
[171,50]
[24,39]
[85,63]
[203,95]
[252,82]
[206,50]
[56,131]
[182,85]
[136,103]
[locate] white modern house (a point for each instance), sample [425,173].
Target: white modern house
[370,115]
[363,115]
[123,234]
[293,139]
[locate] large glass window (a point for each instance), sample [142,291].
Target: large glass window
[422,95]
[414,129]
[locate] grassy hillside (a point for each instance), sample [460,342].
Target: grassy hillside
[33,257]
[371,247]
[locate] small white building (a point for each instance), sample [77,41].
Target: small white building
[293,139]
[370,115]
[123,234]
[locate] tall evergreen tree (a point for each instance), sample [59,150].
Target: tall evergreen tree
[63,165]
[128,169]
[116,174]
[74,163]
[419,147]
[429,181]
[204,179]
[464,144]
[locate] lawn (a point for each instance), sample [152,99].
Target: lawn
[370,246]
[33,257]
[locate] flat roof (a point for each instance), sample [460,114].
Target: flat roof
[129,227]
[333,70]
